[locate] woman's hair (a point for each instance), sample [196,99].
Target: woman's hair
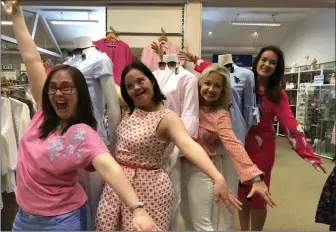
[273,90]
[158,96]
[224,99]
[84,111]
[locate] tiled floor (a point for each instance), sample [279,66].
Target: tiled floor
[296,188]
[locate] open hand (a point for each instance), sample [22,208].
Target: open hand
[143,222]
[158,49]
[222,191]
[11,7]
[319,167]
[186,55]
[261,188]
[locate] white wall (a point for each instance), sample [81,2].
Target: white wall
[313,37]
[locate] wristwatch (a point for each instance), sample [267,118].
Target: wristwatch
[258,178]
[139,204]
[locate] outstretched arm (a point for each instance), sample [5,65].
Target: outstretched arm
[294,133]
[28,50]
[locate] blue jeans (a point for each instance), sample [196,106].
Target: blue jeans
[77,220]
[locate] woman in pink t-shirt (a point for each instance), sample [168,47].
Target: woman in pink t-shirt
[60,140]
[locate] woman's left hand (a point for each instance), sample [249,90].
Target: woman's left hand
[222,191]
[143,222]
[319,167]
[261,188]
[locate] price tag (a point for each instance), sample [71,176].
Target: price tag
[318,79]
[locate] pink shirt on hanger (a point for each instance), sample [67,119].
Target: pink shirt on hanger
[151,59]
[47,169]
[120,54]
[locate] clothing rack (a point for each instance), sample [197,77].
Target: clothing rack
[145,33]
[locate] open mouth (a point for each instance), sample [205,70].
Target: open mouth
[61,105]
[140,94]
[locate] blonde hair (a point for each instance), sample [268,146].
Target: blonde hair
[224,99]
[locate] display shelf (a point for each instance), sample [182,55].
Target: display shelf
[291,83]
[317,116]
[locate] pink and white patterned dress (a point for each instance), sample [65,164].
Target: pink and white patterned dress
[141,154]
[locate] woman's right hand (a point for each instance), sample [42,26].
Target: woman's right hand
[143,222]
[186,55]
[11,7]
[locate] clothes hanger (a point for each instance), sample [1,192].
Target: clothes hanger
[112,35]
[163,37]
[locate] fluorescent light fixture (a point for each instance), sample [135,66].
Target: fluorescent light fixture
[250,23]
[6,23]
[77,22]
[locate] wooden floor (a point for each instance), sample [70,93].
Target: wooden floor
[296,188]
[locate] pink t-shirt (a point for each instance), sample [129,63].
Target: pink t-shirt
[47,176]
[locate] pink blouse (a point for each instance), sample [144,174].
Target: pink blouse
[215,125]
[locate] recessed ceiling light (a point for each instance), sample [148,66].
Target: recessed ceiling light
[210,32]
[255,33]
[6,23]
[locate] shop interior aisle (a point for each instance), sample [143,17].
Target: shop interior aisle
[296,188]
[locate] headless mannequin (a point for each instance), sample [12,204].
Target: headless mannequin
[102,67]
[241,88]
[181,90]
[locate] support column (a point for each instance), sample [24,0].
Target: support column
[193,30]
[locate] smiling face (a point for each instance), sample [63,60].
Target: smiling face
[63,94]
[139,89]
[212,88]
[267,64]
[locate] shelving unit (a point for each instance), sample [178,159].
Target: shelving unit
[317,114]
[297,78]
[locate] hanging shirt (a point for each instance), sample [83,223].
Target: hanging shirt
[244,110]
[21,117]
[333,136]
[47,173]
[151,59]
[9,153]
[181,91]
[95,65]
[120,54]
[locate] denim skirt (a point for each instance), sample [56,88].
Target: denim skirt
[77,220]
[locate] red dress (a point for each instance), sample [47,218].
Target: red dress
[261,141]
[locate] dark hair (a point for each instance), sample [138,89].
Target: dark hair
[273,90]
[158,96]
[84,111]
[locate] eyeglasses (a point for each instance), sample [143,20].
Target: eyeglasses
[171,65]
[63,89]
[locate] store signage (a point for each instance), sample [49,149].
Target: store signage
[7,67]
[239,60]
[319,79]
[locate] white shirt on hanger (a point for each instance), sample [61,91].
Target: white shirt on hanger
[95,65]
[181,91]
[8,146]
[21,117]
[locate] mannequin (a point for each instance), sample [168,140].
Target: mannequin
[97,70]
[181,90]
[244,114]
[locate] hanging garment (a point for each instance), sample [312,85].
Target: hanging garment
[120,54]
[181,91]
[151,59]
[21,117]
[95,65]
[8,147]
[141,154]
[27,102]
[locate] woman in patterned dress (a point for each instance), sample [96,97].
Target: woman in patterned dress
[142,137]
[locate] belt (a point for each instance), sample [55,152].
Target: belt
[134,166]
